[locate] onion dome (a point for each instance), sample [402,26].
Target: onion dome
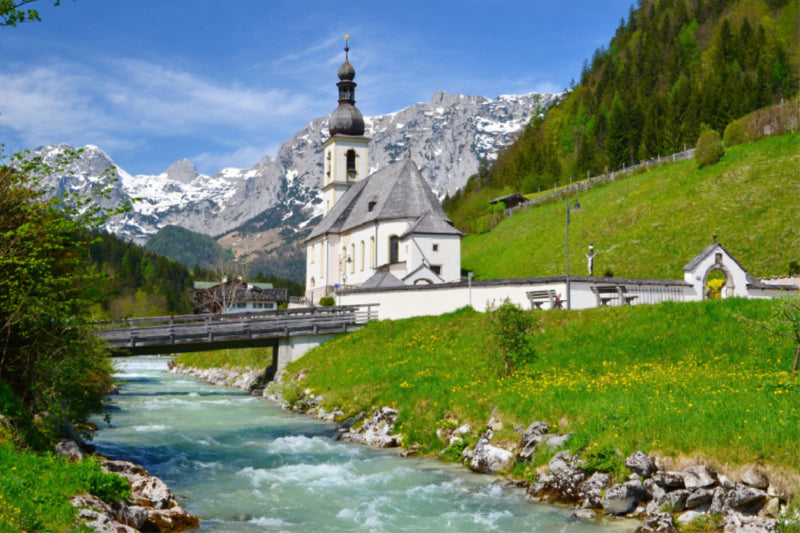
[346,119]
[346,71]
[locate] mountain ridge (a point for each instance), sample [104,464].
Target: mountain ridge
[448,136]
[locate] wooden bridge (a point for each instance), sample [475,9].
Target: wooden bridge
[291,332]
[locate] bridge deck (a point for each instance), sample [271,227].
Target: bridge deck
[198,332]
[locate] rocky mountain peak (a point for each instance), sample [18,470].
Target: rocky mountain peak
[183,171]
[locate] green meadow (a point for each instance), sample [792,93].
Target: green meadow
[676,379]
[651,224]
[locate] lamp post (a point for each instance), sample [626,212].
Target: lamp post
[575,207]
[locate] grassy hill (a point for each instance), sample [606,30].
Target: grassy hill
[651,224]
[679,379]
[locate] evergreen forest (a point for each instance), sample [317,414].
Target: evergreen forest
[672,69]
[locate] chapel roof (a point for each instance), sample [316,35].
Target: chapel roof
[398,191]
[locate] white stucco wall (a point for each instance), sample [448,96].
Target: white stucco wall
[434,300]
[447,256]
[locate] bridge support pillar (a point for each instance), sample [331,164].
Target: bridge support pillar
[292,348]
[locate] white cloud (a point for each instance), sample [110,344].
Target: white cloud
[110,106]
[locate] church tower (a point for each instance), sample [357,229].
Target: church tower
[346,157]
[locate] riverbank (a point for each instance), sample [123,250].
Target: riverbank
[697,497]
[685,383]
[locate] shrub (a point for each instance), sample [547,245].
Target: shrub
[794,268]
[734,134]
[605,459]
[327,301]
[511,332]
[709,148]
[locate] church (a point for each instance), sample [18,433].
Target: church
[385,229]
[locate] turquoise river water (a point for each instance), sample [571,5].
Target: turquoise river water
[242,464]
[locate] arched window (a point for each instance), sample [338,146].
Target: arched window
[361,262]
[394,249]
[372,252]
[352,258]
[351,164]
[312,282]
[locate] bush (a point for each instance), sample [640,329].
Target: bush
[709,148]
[605,459]
[327,301]
[734,134]
[511,332]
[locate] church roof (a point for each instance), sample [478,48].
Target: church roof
[395,192]
[430,224]
[382,280]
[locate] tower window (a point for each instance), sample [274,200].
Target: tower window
[435,247]
[351,164]
[394,249]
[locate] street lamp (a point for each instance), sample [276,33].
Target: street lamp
[575,207]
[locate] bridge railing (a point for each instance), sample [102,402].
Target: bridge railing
[363,313]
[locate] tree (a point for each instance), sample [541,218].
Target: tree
[50,357]
[511,332]
[709,148]
[11,14]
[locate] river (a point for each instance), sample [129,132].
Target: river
[242,464]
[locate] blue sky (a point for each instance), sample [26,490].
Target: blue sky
[225,82]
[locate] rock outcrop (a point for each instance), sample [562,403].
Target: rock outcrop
[151,507]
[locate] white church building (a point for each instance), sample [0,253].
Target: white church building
[380,230]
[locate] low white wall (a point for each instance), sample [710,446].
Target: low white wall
[427,300]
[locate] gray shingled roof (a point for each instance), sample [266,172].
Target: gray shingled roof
[382,280]
[398,191]
[430,224]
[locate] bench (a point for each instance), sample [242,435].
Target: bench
[607,293]
[538,298]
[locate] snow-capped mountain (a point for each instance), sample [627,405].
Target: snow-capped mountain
[447,137]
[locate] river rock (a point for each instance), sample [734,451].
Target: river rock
[699,476]
[564,482]
[70,449]
[622,499]
[640,463]
[668,480]
[754,476]
[592,490]
[98,515]
[675,501]
[556,441]
[489,459]
[746,499]
[376,431]
[699,497]
[151,495]
[661,523]
[688,517]
[531,439]
[736,523]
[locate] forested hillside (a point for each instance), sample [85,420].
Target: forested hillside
[671,67]
[188,247]
[140,282]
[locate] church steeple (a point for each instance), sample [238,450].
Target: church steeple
[346,119]
[346,151]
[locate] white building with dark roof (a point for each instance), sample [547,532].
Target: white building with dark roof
[388,223]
